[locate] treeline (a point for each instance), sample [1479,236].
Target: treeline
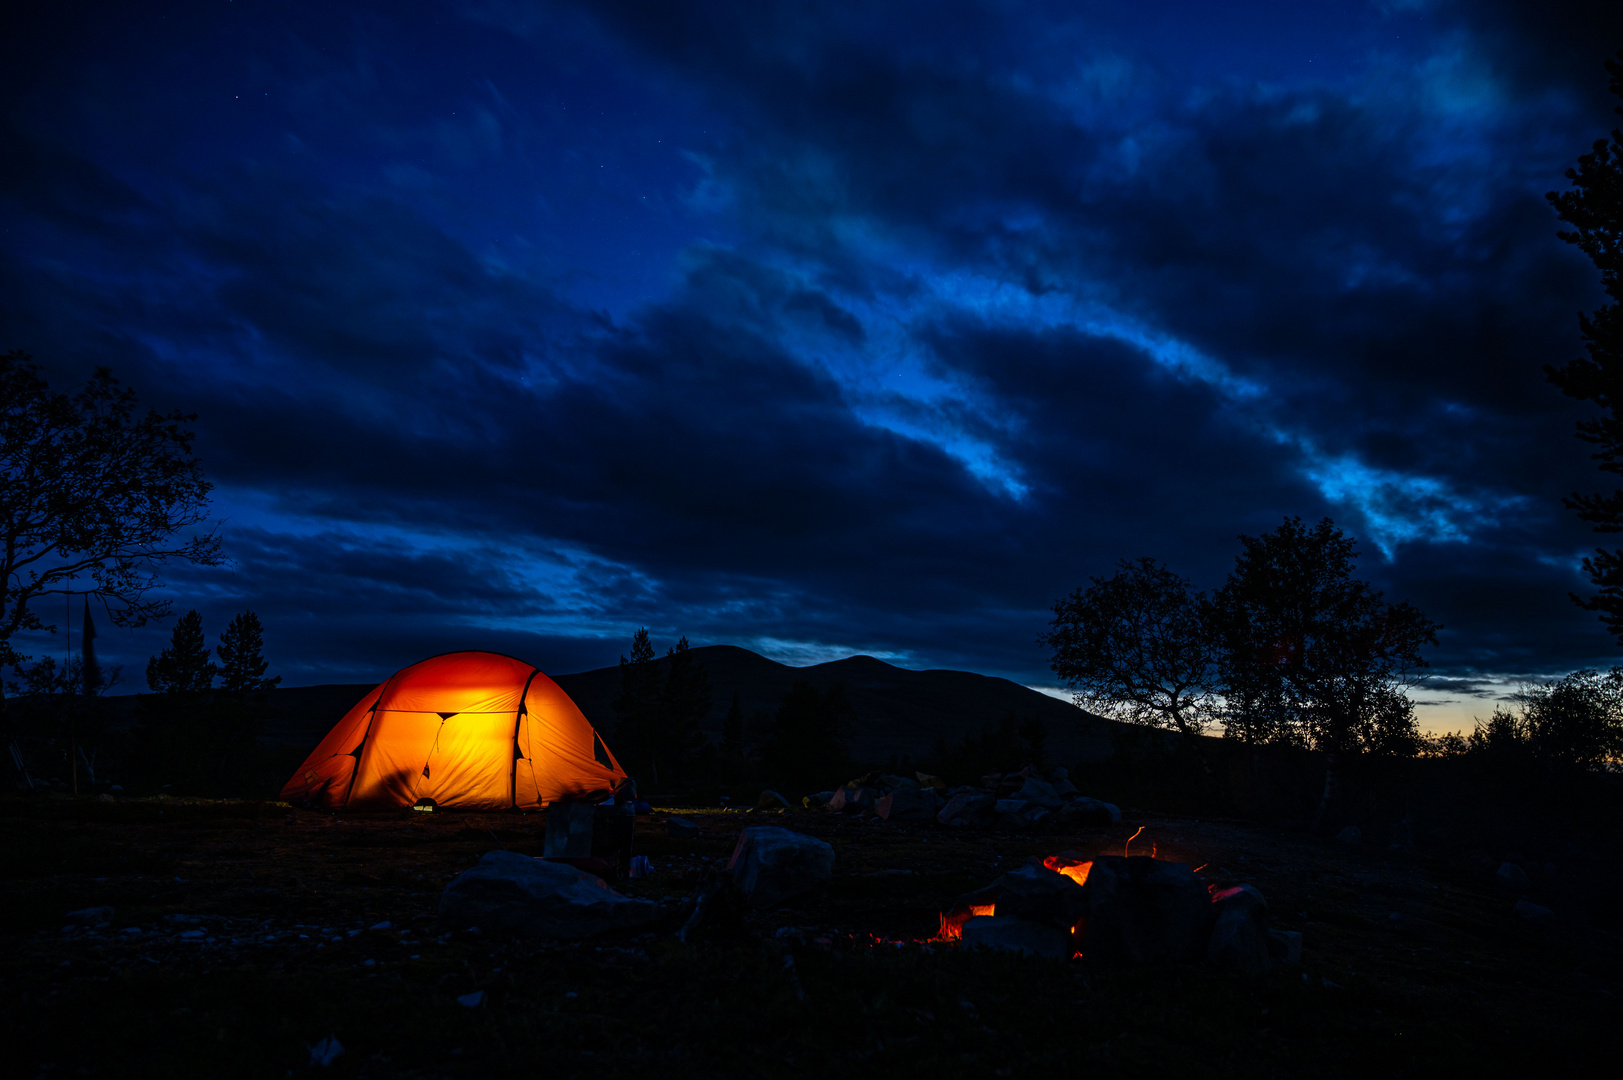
[196,732]
[1306,670]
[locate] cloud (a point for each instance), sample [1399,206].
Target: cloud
[834,326]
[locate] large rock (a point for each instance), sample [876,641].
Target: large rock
[1239,938]
[1040,792]
[1085,811]
[1038,894]
[1016,935]
[1142,910]
[852,799]
[509,893]
[1511,876]
[907,804]
[771,865]
[1018,815]
[972,807]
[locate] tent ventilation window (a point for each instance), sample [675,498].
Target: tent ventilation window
[600,752]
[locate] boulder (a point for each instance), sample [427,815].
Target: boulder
[90,916]
[907,805]
[1141,910]
[771,865]
[1017,815]
[1239,938]
[1016,935]
[1527,911]
[682,828]
[1285,947]
[1511,876]
[852,799]
[1085,811]
[968,808]
[1038,894]
[1040,792]
[515,894]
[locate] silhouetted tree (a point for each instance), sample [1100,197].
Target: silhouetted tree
[1035,734]
[686,698]
[1314,650]
[732,731]
[1136,646]
[242,660]
[184,667]
[657,731]
[1594,209]
[91,499]
[809,747]
[1576,721]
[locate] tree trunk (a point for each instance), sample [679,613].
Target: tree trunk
[14,753]
[1329,789]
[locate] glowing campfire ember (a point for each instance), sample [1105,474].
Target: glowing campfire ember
[952,922]
[1072,867]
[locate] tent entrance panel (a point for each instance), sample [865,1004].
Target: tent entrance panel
[471,763]
[392,761]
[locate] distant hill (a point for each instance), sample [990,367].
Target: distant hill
[898,711]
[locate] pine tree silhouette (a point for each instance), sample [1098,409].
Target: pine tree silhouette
[242,660]
[184,667]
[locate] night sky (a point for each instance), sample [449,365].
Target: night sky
[821,328]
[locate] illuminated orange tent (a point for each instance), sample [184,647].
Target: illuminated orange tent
[472,730]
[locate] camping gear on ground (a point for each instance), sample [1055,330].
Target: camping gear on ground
[470,730]
[578,830]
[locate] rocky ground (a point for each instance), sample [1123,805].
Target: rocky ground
[241,935]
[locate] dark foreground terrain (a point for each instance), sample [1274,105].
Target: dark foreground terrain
[243,934]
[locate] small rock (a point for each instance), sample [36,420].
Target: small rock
[1285,947]
[326,1051]
[89,916]
[384,925]
[471,1001]
[1009,934]
[682,828]
[1350,836]
[771,800]
[1511,876]
[771,865]
[817,800]
[1534,913]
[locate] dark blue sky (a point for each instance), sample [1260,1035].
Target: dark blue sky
[824,328]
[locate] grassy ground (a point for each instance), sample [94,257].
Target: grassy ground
[244,933]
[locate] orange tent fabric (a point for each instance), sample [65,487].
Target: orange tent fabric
[471,730]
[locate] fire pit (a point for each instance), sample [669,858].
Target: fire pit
[1118,910]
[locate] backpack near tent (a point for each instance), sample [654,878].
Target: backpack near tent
[470,730]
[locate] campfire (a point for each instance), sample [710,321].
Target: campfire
[1119,910]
